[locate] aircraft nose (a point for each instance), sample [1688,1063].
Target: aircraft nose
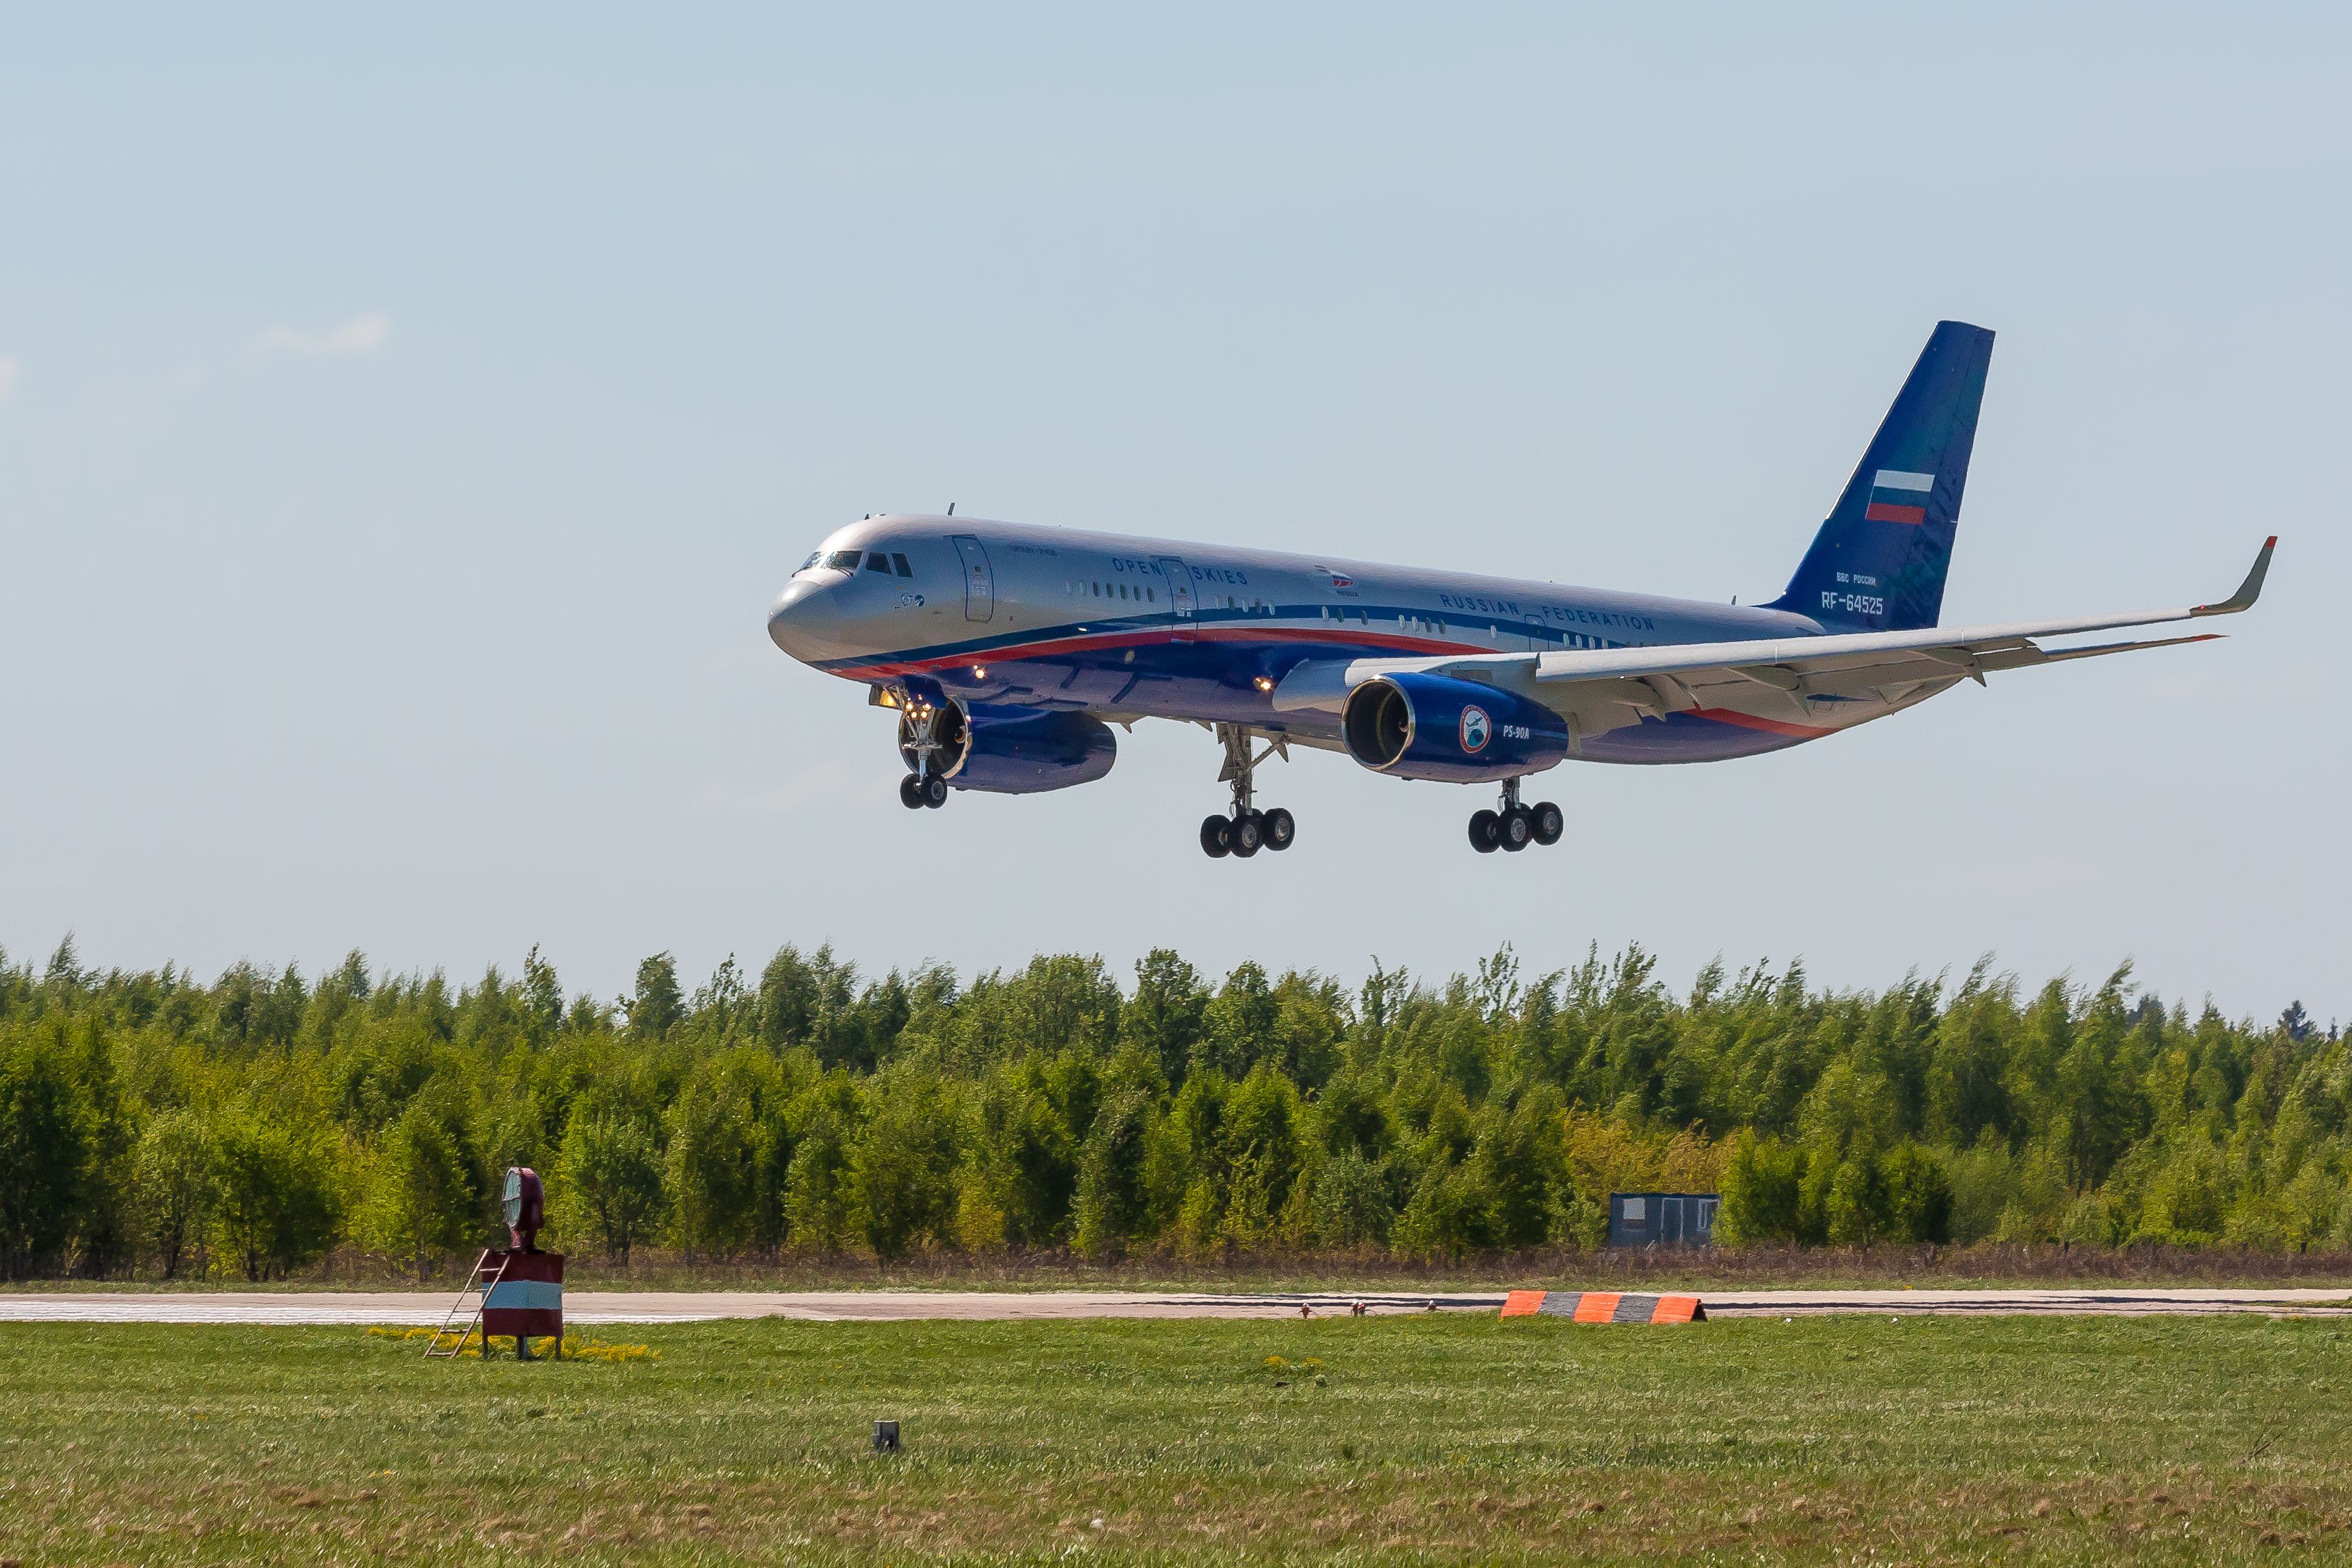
[805,620]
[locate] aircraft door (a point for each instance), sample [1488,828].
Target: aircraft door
[979,581]
[1179,596]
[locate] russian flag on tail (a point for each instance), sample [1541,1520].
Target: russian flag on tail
[1897,497]
[1603,1307]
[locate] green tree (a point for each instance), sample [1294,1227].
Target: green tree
[819,1202]
[1237,1028]
[612,1171]
[1114,1200]
[1164,1017]
[657,1006]
[1763,1192]
[713,1167]
[47,1132]
[429,1192]
[1918,1194]
[277,1188]
[171,1187]
[1354,1203]
[902,1170]
[1522,1164]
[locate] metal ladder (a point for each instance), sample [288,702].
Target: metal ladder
[478,1285]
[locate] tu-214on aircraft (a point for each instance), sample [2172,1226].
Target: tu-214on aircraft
[1007,652]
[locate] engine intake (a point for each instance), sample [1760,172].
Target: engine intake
[1009,750]
[1434,727]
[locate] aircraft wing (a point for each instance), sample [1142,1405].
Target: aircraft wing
[1776,679]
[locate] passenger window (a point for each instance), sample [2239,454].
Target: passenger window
[877,561]
[900,562]
[1152,594]
[1122,590]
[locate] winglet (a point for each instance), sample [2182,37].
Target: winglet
[2248,591]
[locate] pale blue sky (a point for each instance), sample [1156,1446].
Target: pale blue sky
[405,420]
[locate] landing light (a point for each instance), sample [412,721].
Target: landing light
[1265,683]
[980,672]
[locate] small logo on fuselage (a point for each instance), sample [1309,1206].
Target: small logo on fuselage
[1476,729]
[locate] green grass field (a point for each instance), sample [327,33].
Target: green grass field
[1456,1437]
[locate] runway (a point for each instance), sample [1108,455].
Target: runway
[591,1308]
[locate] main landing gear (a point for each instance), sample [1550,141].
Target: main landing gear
[1514,827]
[920,743]
[1245,829]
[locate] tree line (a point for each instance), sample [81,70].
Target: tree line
[154,1124]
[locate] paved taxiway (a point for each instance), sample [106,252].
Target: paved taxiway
[589,1308]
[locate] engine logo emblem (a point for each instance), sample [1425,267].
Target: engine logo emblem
[1476,729]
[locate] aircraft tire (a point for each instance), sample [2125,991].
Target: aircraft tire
[1551,822]
[911,792]
[1281,830]
[1214,843]
[935,791]
[1516,829]
[1485,831]
[1246,836]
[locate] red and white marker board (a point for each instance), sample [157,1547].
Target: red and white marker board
[528,1297]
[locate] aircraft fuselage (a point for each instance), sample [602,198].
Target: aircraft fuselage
[1125,627]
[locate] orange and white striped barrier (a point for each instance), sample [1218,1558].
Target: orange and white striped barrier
[1603,1307]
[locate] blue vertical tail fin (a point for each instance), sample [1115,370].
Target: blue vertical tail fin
[1878,563]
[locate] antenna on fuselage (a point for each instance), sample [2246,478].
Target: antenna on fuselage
[950,509]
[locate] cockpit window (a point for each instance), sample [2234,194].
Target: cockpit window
[876,561]
[844,559]
[814,556]
[900,562]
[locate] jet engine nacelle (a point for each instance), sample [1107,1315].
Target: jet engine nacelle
[1462,732]
[1009,750]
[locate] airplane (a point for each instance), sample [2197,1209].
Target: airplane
[1007,652]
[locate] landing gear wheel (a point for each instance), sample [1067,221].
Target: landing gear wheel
[911,792]
[1551,822]
[935,791]
[1281,830]
[1485,831]
[1516,829]
[1213,842]
[1246,836]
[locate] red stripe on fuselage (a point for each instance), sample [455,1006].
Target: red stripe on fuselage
[1883,512]
[1769,726]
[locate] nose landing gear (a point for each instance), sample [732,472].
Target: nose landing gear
[1245,829]
[1514,827]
